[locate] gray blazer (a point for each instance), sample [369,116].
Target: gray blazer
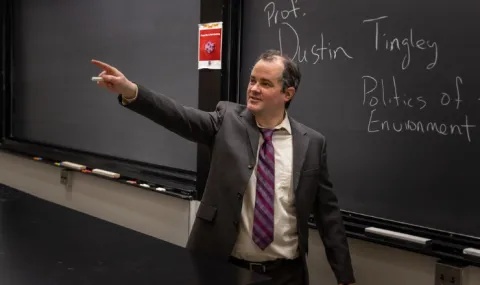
[233,137]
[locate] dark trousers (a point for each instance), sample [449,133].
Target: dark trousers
[282,272]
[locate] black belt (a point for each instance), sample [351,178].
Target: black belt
[264,266]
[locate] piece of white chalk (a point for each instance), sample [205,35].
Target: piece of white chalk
[72,165]
[145,185]
[472,251]
[97,78]
[105,173]
[396,235]
[161,189]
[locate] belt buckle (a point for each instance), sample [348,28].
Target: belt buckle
[253,264]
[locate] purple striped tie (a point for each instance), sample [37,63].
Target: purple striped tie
[263,216]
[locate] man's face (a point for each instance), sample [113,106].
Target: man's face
[264,92]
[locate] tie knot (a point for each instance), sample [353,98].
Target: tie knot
[267,134]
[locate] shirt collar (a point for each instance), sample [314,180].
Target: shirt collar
[285,124]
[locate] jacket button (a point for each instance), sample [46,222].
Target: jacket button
[235,223]
[239,195]
[250,166]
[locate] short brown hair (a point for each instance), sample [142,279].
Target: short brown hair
[291,72]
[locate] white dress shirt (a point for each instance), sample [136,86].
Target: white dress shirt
[285,241]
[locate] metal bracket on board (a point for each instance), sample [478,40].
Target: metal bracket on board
[66,178]
[449,273]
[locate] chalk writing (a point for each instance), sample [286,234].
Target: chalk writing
[375,125]
[405,44]
[385,96]
[314,53]
[446,99]
[273,14]
[373,93]
[324,51]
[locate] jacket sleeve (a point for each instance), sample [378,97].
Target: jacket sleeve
[190,123]
[329,222]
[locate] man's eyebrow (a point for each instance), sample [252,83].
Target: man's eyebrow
[264,79]
[261,79]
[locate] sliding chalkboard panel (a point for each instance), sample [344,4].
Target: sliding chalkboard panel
[152,42]
[395,88]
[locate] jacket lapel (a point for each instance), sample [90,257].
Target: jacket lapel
[300,146]
[252,132]
[299,138]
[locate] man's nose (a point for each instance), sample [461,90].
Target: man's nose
[255,88]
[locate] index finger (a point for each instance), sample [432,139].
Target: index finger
[105,66]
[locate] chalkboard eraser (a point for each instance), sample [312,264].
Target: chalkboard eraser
[72,165]
[397,236]
[472,252]
[105,173]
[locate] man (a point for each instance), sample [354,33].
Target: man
[268,173]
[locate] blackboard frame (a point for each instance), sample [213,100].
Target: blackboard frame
[4,63]
[444,245]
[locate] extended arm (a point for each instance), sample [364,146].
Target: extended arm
[190,123]
[330,226]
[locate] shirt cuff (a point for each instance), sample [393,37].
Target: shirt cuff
[127,101]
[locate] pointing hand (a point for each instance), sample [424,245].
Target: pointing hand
[115,81]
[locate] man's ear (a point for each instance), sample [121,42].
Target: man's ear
[289,93]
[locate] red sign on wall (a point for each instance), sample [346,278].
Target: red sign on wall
[210,46]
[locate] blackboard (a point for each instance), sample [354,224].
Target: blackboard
[394,86]
[153,43]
